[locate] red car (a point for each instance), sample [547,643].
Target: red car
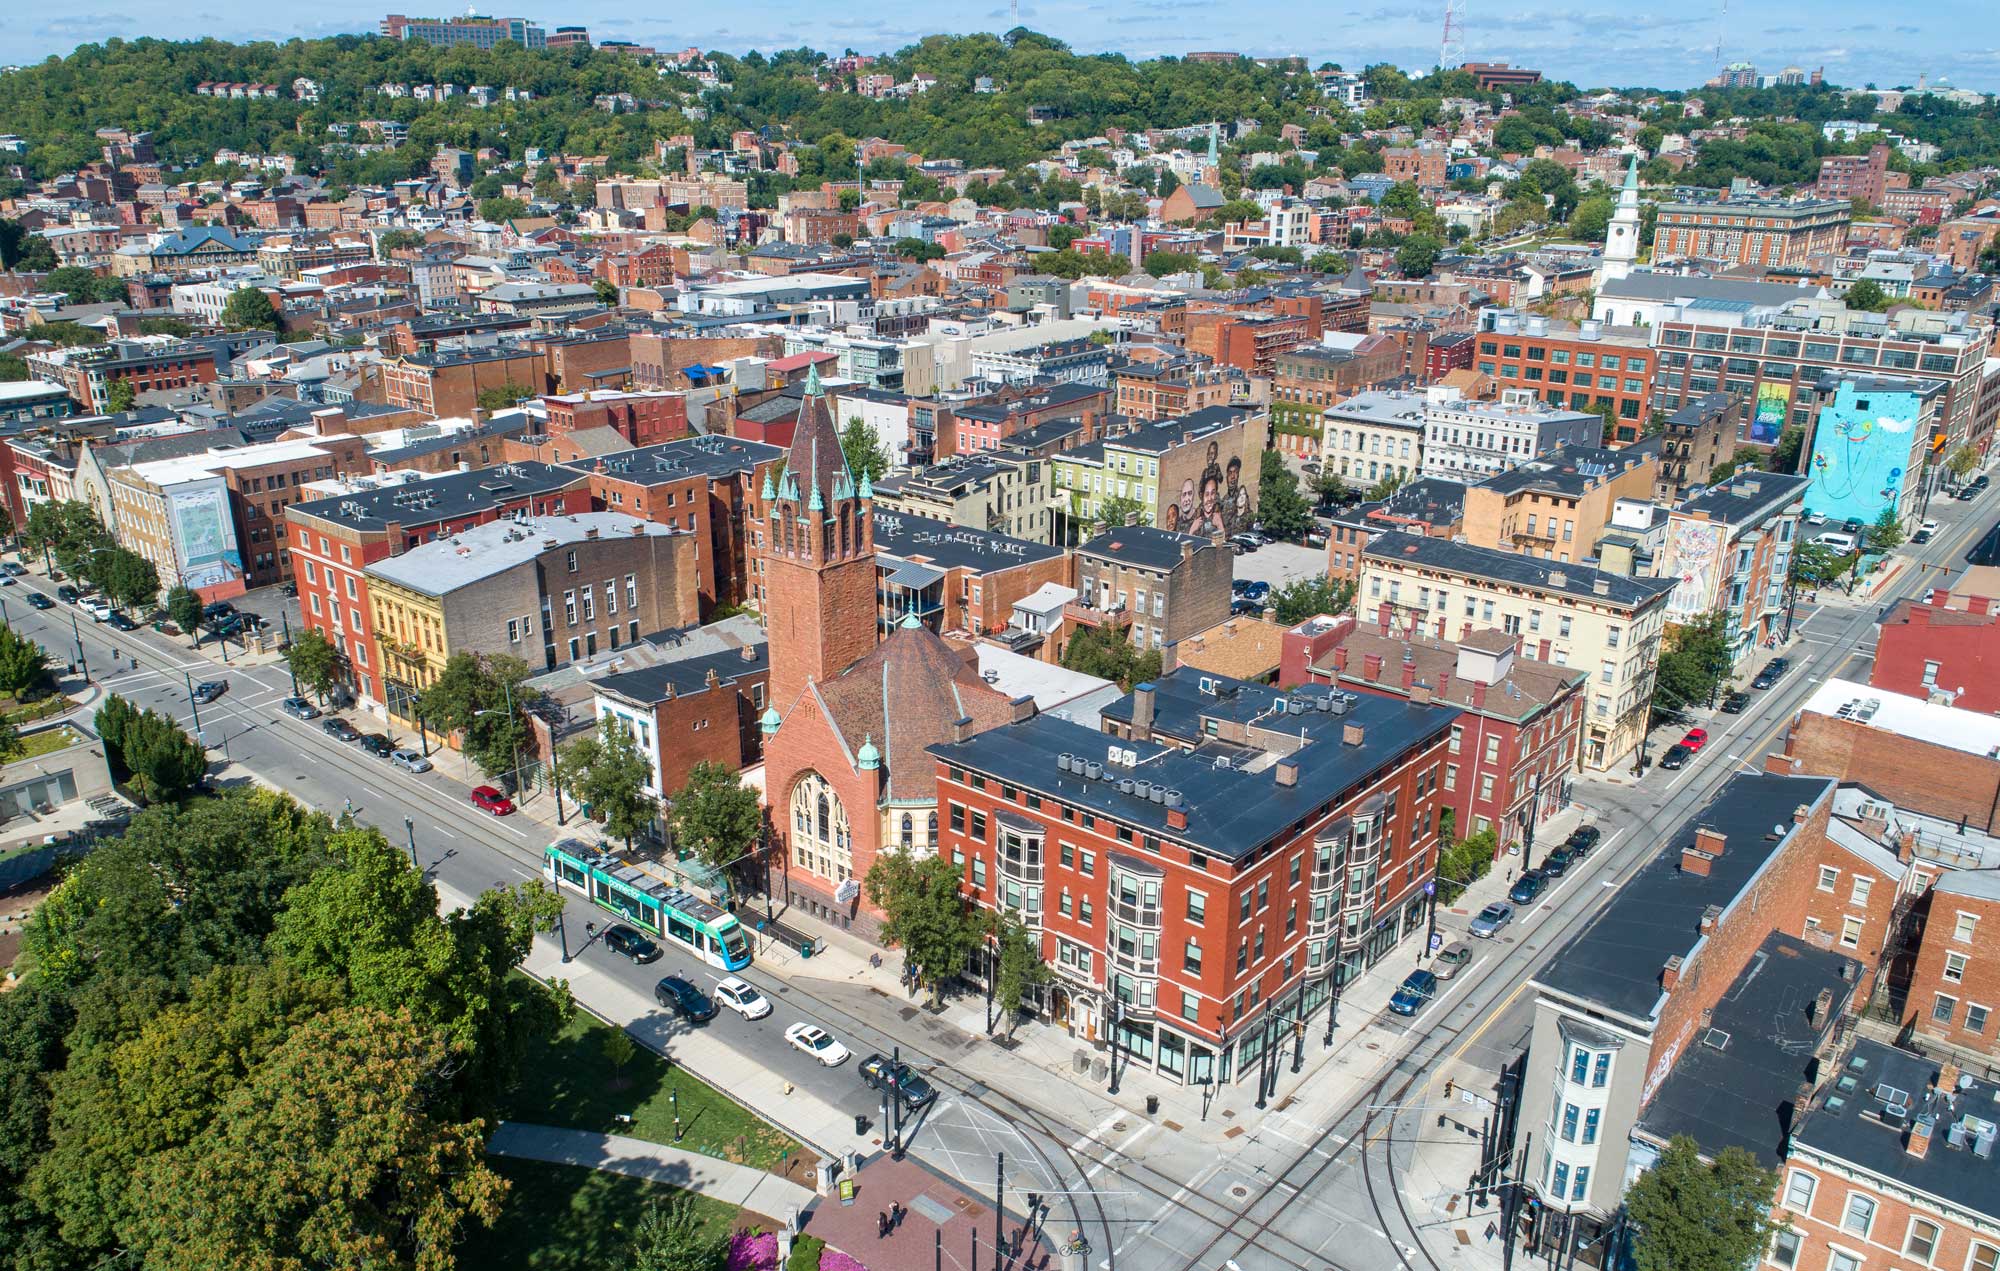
[487,799]
[1696,738]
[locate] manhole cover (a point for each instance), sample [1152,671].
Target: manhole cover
[907,1014]
[1374,1046]
[1239,1191]
[1118,1127]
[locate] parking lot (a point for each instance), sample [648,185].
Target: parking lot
[1281,563]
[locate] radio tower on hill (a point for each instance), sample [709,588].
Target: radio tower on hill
[1451,50]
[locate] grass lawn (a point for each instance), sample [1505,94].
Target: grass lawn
[568,1218]
[568,1082]
[46,742]
[24,714]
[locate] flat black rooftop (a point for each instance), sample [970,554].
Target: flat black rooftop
[1852,1119]
[1615,962]
[442,498]
[649,684]
[1533,572]
[715,455]
[1746,498]
[1233,807]
[950,546]
[1737,1080]
[1142,545]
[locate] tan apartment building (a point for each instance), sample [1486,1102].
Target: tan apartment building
[1556,506]
[1608,625]
[548,590]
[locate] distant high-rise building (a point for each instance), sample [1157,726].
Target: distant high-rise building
[473,29]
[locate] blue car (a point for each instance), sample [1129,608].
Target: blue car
[1527,887]
[1417,988]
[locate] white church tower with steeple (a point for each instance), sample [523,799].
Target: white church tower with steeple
[1621,236]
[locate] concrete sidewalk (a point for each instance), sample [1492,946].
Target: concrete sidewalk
[738,1185]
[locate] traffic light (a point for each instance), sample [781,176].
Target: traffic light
[1447,1087]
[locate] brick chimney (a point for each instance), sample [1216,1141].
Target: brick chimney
[1941,597]
[1421,695]
[1371,666]
[1670,974]
[1781,765]
[1801,814]
[1947,1076]
[1142,711]
[1710,916]
[1710,841]
[1340,657]
[1695,861]
[1409,672]
[1352,734]
[1382,612]
[1287,771]
[1918,1143]
[1821,1007]
[1980,605]
[1478,694]
[1176,818]
[1443,690]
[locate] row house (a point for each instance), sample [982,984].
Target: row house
[1729,551]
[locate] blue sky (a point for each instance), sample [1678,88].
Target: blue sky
[1590,41]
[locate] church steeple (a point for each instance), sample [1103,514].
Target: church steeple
[1621,235]
[819,556]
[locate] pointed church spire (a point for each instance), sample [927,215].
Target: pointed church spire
[813,387]
[1632,174]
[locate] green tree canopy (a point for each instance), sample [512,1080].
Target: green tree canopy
[1304,598]
[1106,653]
[862,447]
[314,660]
[716,815]
[1695,1216]
[1695,658]
[248,308]
[1867,294]
[1162,263]
[1281,509]
[480,697]
[1886,533]
[925,913]
[184,608]
[501,209]
[502,396]
[606,771]
[1418,255]
[1020,966]
[24,666]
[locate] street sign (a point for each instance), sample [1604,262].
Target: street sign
[847,891]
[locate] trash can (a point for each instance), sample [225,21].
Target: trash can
[860,1124]
[1152,1105]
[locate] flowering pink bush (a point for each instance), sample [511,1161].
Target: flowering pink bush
[835,1260]
[753,1253]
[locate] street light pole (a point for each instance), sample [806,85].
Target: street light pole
[410,830]
[193,705]
[1112,1013]
[76,630]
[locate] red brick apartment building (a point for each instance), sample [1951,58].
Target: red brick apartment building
[448,385]
[954,578]
[1516,743]
[1752,231]
[1935,648]
[705,485]
[1580,365]
[695,710]
[333,540]
[1858,177]
[1208,864]
[641,418]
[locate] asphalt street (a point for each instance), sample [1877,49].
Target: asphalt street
[1290,1191]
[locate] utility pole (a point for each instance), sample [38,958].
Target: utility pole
[410,830]
[193,705]
[1113,1010]
[896,1101]
[999,1212]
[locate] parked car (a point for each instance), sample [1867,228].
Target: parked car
[1557,863]
[36,600]
[1922,536]
[217,609]
[98,610]
[1966,494]
[1244,542]
[289,589]
[410,760]
[1981,481]
[1696,738]
[1257,590]
[339,729]
[1840,544]
[1528,886]
[13,569]
[1734,702]
[376,744]
[1676,758]
[488,799]
[630,942]
[1773,669]
[912,1091]
[742,998]
[1243,606]
[817,1042]
[67,594]
[299,708]
[1417,988]
[208,690]
[1491,919]
[1237,586]
[684,999]
[1582,839]
[1455,957]
[119,622]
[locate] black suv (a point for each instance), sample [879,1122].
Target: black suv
[1582,839]
[1770,674]
[1557,863]
[628,943]
[376,744]
[1676,757]
[912,1091]
[684,999]
[1734,703]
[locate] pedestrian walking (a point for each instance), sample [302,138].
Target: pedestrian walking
[896,1212]
[881,1223]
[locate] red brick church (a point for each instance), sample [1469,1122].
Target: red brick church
[851,715]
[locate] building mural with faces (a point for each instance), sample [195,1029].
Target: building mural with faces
[1209,471]
[204,531]
[1866,452]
